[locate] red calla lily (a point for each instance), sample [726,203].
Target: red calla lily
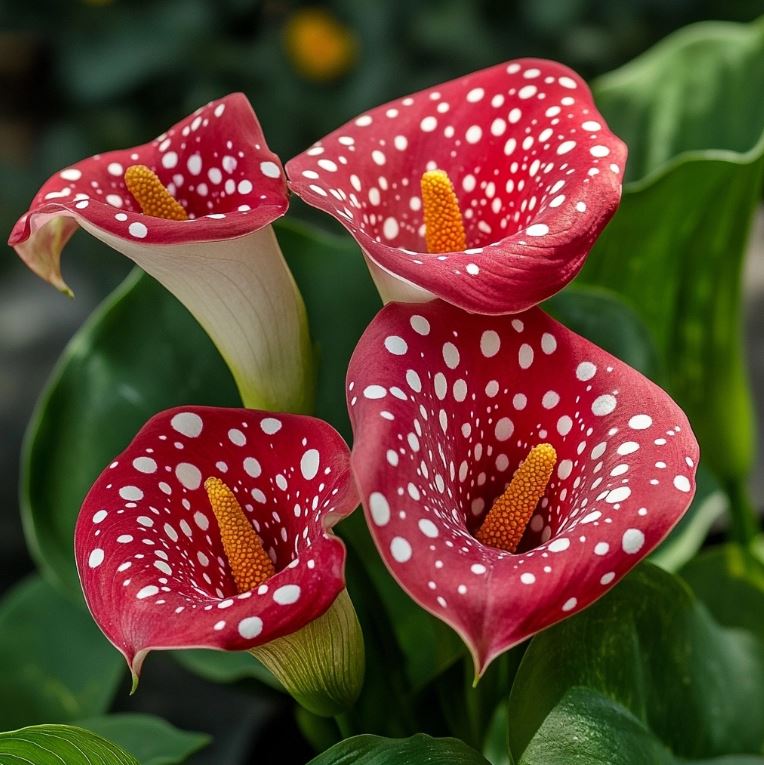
[148,546]
[445,405]
[222,261]
[536,172]
[215,162]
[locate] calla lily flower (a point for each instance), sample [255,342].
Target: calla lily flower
[511,471]
[487,191]
[213,529]
[193,208]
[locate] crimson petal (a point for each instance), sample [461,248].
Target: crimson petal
[537,172]
[445,405]
[215,162]
[147,546]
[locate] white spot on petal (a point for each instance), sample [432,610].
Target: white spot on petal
[309,464]
[632,541]
[400,549]
[187,424]
[95,559]
[250,627]
[286,595]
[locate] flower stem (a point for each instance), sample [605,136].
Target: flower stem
[744,520]
[344,725]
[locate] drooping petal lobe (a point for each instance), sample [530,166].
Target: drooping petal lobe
[148,548]
[535,168]
[445,405]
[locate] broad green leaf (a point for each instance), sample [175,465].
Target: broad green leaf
[376,750]
[653,648]
[691,113]
[57,744]
[601,315]
[341,300]
[55,665]
[730,582]
[150,739]
[140,352]
[586,728]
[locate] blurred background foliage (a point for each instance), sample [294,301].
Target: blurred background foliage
[102,74]
[82,76]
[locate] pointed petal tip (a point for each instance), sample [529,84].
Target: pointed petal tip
[64,289]
[135,665]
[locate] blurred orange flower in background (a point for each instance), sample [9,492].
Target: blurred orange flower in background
[319,46]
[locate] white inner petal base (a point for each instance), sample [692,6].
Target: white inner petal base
[242,293]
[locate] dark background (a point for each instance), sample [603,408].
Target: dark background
[79,77]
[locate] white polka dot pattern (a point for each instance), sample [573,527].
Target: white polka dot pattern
[536,171]
[458,432]
[147,543]
[215,162]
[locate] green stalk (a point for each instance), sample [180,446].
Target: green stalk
[745,524]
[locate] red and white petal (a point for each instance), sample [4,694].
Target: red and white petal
[147,545]
[535,168]
[444,407]
[215,162]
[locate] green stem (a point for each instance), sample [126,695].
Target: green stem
[344,725]
[745,523]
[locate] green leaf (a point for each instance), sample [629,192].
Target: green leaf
[586,728]
[57,744]
[140,352]
[55,664]
[652,647]
[601,316]
[150,739]
[690,112]
[376,750]
[730,582]
[341,300]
